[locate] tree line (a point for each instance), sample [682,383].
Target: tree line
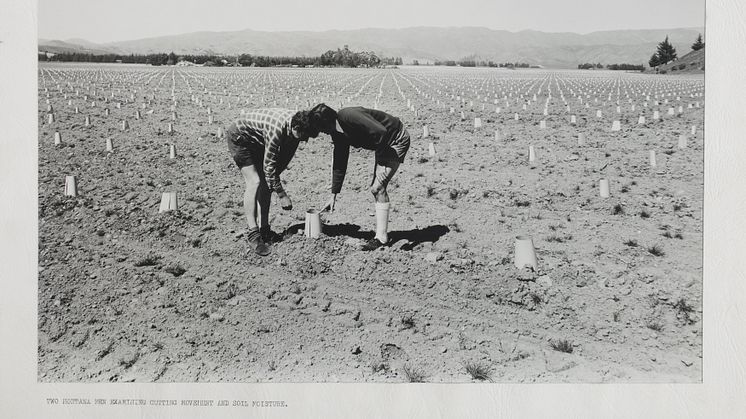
[589,66]
[627,67]
[475,63]
[333,58]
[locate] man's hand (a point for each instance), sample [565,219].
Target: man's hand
[329,206]
[285,202]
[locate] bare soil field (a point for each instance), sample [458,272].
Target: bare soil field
[130,294]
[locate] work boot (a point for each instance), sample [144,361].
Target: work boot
[255,240]
[372,244]
[270,236]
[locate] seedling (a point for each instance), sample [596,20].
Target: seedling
[231,290]
[413,374]
[535,298]
[106,351]
[559,239]
[150,260]
[462,341]
[378,367]
[129,362]
[407,321]
[175,270]
[654,325]
[562,345]
[684,311]
[479,371]
[656,250]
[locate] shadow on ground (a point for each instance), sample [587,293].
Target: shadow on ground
[414,237]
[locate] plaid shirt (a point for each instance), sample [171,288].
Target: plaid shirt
[270,128]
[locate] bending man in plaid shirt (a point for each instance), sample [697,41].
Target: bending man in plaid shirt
[262,143]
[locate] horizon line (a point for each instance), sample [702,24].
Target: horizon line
[369,28]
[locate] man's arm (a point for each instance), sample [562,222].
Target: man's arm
[341,156]
[287,152]
[271,153]
[271,174]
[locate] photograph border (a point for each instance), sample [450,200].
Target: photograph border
[720,394]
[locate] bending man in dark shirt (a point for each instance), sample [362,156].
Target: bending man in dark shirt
[369,129]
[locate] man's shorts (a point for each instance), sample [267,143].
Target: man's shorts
[395,150]
[244,150]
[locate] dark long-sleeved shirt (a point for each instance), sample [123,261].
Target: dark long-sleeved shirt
[270,128]
[362,128]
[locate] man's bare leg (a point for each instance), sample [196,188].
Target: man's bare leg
[251,195]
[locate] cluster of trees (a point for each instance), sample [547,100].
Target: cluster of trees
[391,61]
[346,58]
[475,63]
[517,65]
[665,53]
[628,67]
[339,58]
[589,66]
[468,63]
[698,43]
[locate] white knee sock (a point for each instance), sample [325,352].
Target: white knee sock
[382,221]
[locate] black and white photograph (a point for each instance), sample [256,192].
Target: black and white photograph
[322,192]
[399,209]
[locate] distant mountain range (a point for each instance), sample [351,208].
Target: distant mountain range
[426,44]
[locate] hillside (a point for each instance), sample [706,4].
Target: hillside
[426,44]
[71,46]
[693,62]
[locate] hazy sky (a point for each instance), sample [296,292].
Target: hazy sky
[118,20]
